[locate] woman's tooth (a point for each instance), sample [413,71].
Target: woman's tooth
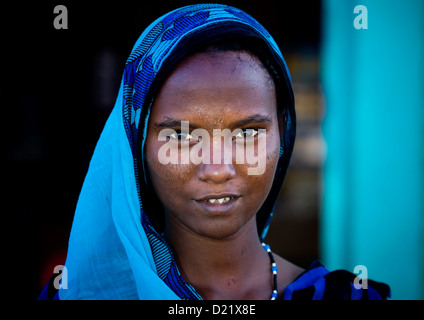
[220,200]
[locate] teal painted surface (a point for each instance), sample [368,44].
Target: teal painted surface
[373,181]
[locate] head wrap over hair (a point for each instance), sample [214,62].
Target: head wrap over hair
[114,250]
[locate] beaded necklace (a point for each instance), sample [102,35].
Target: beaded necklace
[274,270]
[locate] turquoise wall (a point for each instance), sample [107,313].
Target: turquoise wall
[373,179]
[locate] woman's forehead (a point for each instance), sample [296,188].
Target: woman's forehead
[203,67]
[216,85]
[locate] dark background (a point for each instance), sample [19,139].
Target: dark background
[57,88]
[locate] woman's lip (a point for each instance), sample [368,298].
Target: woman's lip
[218,207]
[217,196]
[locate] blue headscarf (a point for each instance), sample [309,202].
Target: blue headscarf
[115,252]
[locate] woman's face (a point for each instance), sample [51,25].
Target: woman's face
[214,90]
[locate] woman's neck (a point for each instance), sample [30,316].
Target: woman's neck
[236,267]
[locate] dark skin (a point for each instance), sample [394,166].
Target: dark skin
[216,245]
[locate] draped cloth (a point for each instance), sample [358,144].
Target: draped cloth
[114,250]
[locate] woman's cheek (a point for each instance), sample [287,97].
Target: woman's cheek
[165,173]
[263,161]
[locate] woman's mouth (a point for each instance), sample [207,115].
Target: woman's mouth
[219,200]
[219,203]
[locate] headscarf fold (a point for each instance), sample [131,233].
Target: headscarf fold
[115,252]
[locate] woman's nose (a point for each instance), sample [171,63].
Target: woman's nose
[220,166]
[216,173]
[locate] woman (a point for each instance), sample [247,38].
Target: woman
[164,212]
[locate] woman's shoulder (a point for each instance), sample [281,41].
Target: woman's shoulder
[318,283]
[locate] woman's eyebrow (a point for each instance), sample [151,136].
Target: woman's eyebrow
[255,118]
[172,123]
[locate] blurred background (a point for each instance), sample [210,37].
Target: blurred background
[354,192]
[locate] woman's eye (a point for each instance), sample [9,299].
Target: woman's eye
[181,136]
[250,132]
[246,133]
